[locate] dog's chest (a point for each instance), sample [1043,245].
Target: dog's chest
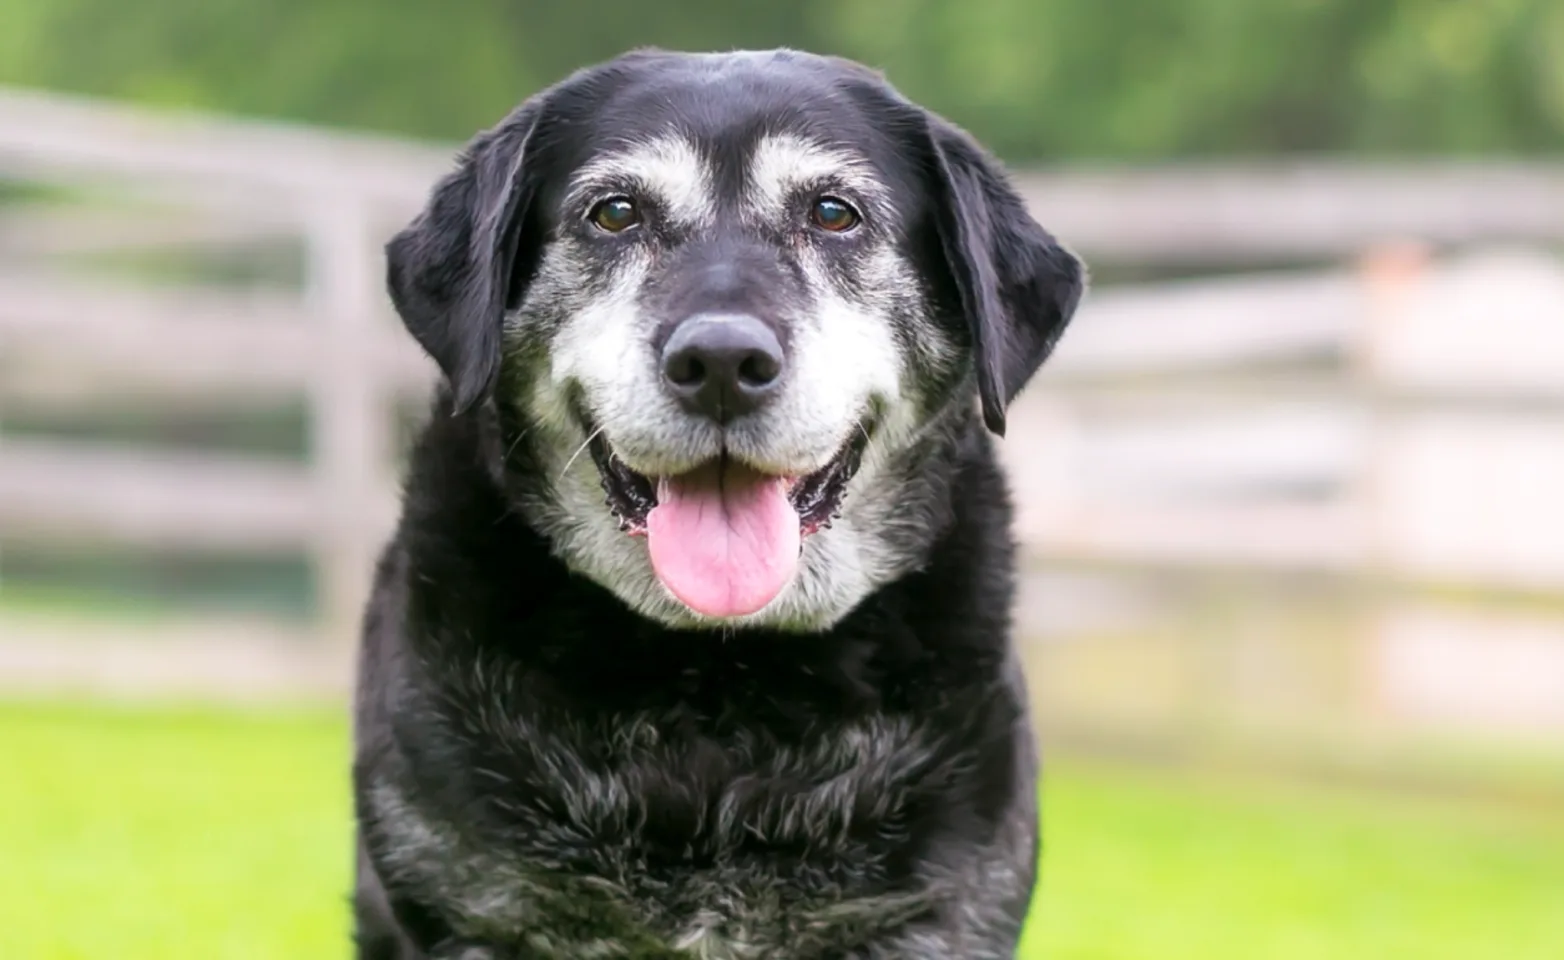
[734,848]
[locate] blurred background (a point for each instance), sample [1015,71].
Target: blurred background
[1292,492]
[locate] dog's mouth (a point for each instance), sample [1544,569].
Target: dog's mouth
[816,497]
[724,538]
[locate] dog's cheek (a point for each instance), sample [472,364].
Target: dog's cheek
[933,362]
[938,364]
[890,294]
[532,333]
[853,357]
[894,290]
[595,341]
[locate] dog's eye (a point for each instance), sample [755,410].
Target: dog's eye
[834,215]
[616,214]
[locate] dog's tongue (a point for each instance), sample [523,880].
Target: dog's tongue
[724,538]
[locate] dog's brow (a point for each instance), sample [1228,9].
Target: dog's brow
[783,163]
[671,169]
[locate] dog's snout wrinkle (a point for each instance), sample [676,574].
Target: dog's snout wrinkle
[722,365]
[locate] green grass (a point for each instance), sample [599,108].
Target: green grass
[1172,867]
[131,836]
[134,835]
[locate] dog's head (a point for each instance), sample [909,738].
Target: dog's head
[729,292]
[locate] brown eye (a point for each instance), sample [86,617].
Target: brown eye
[616,214]
[834,215]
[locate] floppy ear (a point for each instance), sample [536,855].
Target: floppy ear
[450,272]
[1018,287]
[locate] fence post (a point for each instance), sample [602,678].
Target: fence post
[1390,274]
[350,424]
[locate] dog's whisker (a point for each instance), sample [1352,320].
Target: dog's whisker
[505,458]
[584,444]
[520,436]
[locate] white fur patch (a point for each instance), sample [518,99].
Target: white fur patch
[783,164]
[670,169]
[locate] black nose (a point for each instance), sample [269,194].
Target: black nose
[722,365]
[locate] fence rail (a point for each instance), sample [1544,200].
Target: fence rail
[95,339]
[1330,419]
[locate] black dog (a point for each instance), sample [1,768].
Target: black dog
[693,640]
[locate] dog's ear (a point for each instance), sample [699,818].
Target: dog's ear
[1018,286]
[452,271]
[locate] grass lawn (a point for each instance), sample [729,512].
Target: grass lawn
[131,835]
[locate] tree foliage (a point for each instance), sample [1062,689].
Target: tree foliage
[1039,79]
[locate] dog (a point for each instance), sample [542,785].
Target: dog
[693,637]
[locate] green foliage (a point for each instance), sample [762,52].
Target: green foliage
[1040,79]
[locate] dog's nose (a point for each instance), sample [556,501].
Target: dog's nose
[722,365]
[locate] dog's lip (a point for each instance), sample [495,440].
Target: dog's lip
[863,429]
[605,448]
[793,477]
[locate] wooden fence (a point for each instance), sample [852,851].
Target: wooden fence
[1401,419]
[1389,411]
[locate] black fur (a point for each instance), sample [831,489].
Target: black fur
[1019,288]
[542,772]
[450,272]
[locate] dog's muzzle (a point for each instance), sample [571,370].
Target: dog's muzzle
[724,537]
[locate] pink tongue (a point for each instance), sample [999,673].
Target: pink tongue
[724,538]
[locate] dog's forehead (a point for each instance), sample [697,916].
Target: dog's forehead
[708,131]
